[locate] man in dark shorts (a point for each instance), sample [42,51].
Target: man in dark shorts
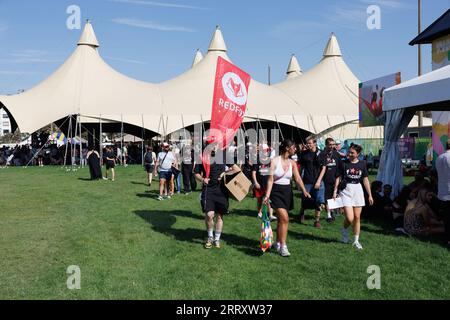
[110,163]
[329,160]
[214,197]
[310,171]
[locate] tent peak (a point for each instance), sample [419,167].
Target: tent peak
[88,37]
[332,49]
[217,42]
[294,69]
[198,57]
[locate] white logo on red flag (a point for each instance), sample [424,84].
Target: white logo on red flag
[234,88]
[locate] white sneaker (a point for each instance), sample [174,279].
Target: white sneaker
[273,218]
[169,197]
[160,198]
[105,178]
[284,252]
[278,247]
[344,235]
[357,245]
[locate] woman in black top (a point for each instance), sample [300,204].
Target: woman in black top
[352,175]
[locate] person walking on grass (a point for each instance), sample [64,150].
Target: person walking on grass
[352,175]
[279,191]
[214,197]
[443,172]
[149,164]
[311,168]
[110,163]
[164,162]
[330,160]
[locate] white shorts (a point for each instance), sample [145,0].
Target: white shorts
[353,195]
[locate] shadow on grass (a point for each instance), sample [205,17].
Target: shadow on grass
[86,179]
[163,221]
[310,237]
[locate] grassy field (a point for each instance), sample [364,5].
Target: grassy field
[130,246]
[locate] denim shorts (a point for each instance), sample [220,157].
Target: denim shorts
[166,175]
[317,196]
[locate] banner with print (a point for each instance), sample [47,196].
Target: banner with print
[228,106]
[371,99]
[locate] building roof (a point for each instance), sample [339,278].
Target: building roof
[438,29]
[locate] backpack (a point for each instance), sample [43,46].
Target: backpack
[148,158]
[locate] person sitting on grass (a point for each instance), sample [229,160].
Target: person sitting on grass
[386,201]
[419,219]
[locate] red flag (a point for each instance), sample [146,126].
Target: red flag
[229,105]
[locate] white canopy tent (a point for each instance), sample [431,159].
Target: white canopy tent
[400,103]
[431,89]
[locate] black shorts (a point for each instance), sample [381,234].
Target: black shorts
[282,197]
[110,165]
[329,190]
[214,199]
[149,168]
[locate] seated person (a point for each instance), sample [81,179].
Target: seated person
[419,219]
[386,201]
[376,210]
[399,207]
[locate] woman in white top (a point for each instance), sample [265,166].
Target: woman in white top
[279,191]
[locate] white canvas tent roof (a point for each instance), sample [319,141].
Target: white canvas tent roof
[328,92]
[85,85]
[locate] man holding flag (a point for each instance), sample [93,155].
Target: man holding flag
[228,110]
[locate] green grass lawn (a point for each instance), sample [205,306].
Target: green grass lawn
[130,246]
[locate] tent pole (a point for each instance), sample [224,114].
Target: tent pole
[262,132]
[142,142]
[122,156]
[81,144]
[279,127]
[101,139]
[67,142]
[74,145]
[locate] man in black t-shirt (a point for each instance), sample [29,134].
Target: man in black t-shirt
[214,197]
[330,161]
[310,167]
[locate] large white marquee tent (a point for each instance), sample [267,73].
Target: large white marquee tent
[324,99]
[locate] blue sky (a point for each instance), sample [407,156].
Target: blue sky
[156,40]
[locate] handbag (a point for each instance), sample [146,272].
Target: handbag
[343,182]
[175,171]
[266,234]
